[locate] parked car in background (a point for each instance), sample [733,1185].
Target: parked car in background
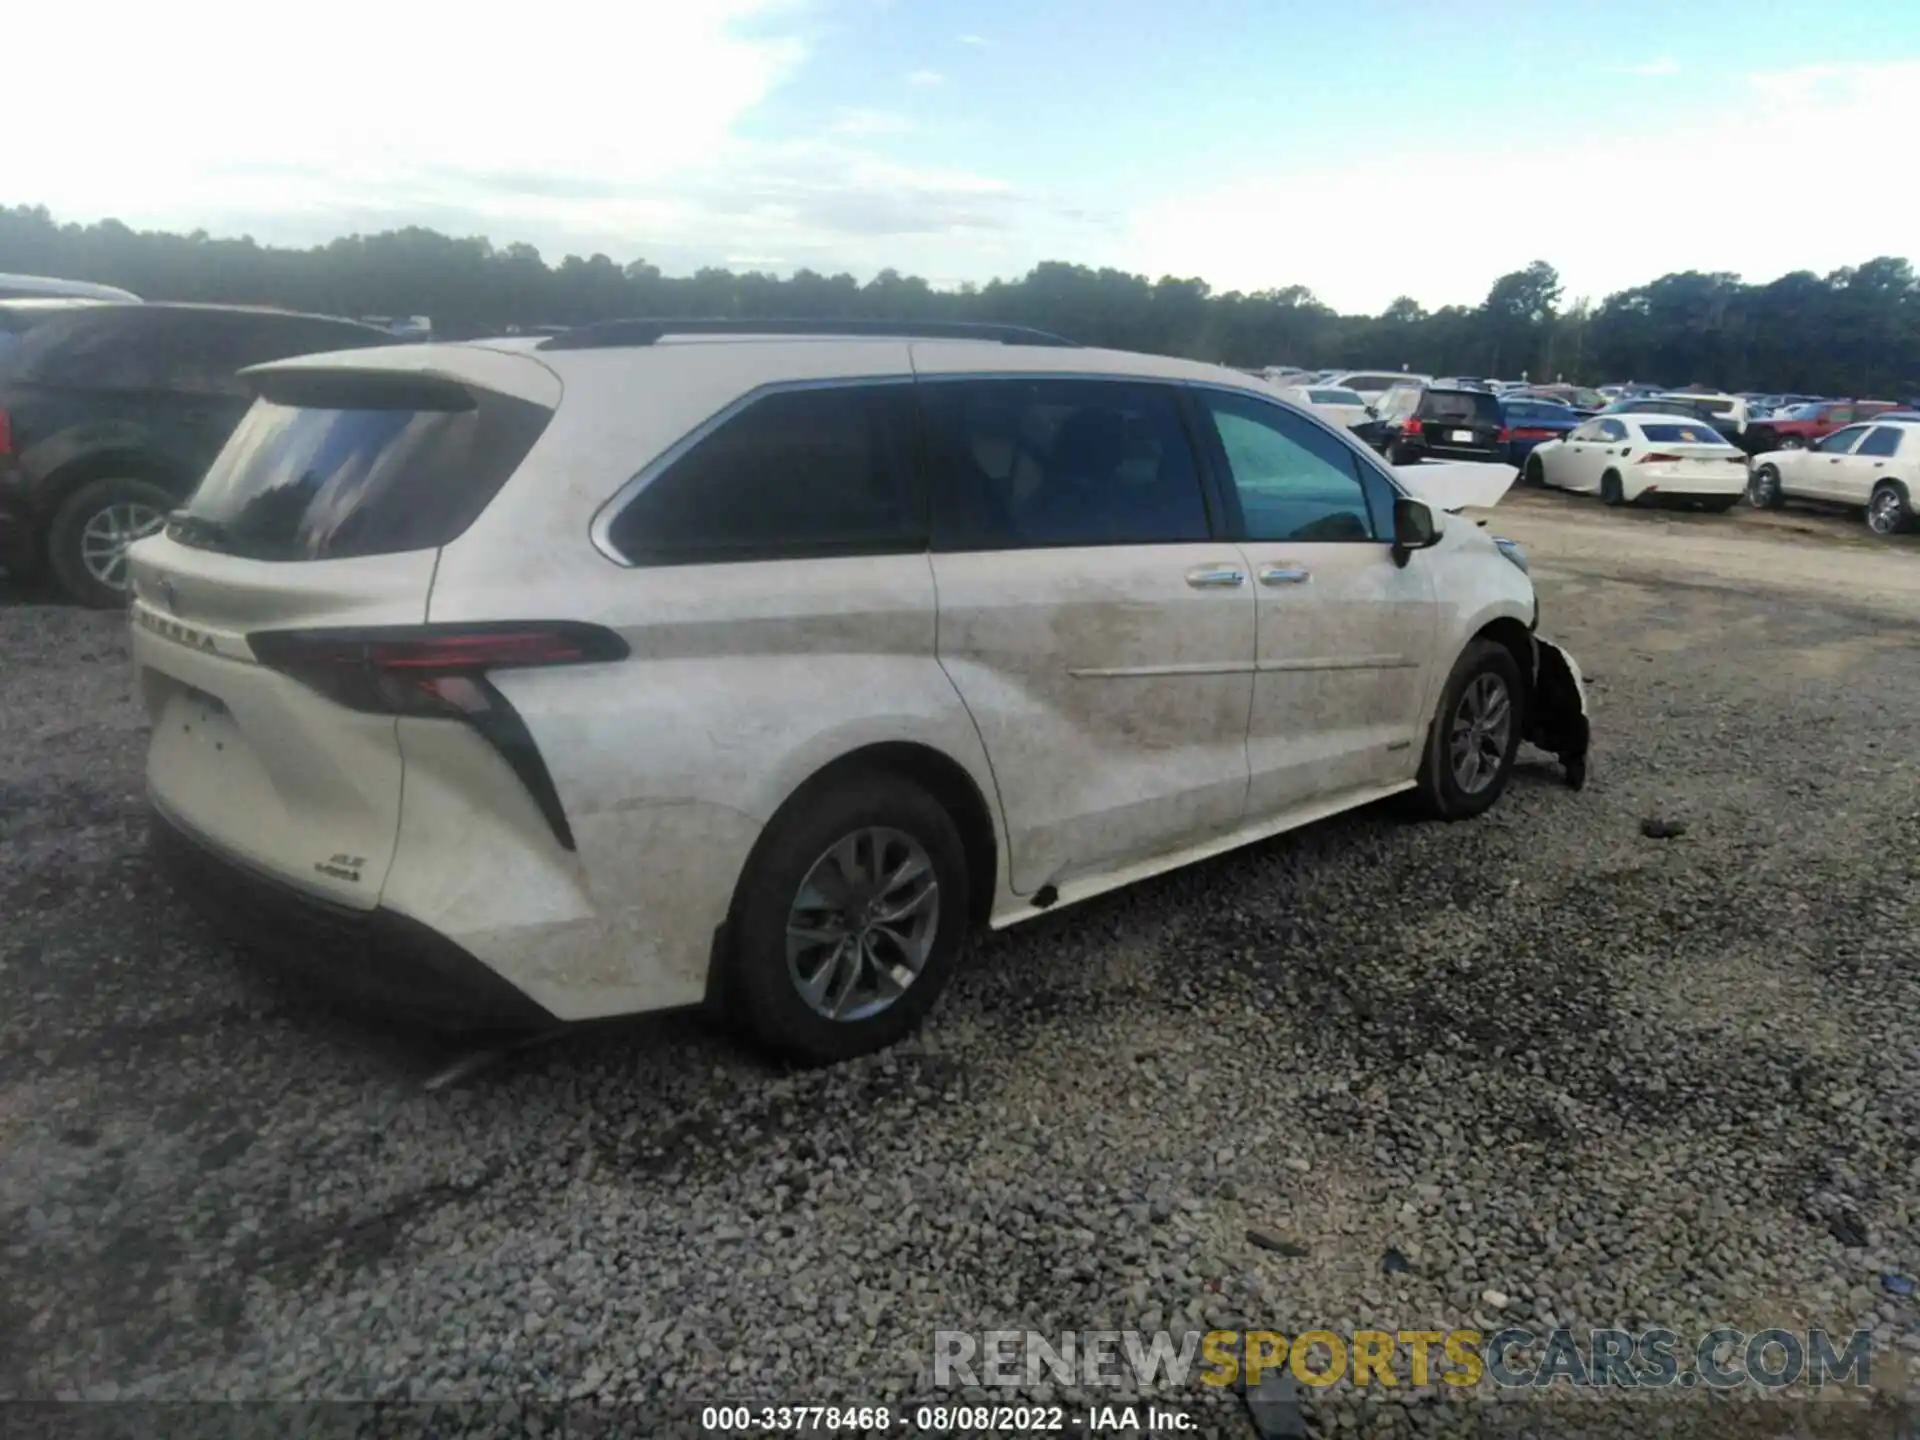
[109,415]
[1682,406]
[673,664]
[1800,425]
[1730,408]
[1623,458]
[1425,422]
[1578,397]
[1531,421]
[1342,407]
[30,287]
[1874,469]
[1372,384]
[1463,382]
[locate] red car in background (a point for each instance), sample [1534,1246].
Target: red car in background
[1798,426]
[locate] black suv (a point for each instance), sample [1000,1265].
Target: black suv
[110,414]
[1442,424]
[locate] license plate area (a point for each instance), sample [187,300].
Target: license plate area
[1460,437]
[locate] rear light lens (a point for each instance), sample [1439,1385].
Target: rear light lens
[1658,458]
[1410,426]
[439,672]
[1505,434]
[6,433]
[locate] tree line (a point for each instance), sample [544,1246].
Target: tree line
[1854,332]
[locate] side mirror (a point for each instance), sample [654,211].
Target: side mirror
[1415,527]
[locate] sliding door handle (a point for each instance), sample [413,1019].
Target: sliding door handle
[1216,577]
[1284,575]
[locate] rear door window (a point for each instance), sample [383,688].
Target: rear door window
[1882,440]
[105,348]
[1841,441]
[1037,463]
[330,466]
[1612,431]
[795,474]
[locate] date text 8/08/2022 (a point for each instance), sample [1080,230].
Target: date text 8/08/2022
[944,1419]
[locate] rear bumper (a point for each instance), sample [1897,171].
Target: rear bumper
[1689,482]
[377,960]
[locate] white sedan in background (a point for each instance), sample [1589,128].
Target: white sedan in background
[1872,468]
[1333,403]
[1622,458]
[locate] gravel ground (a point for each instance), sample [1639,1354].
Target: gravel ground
[1543,1057]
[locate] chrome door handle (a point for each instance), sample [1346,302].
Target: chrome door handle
[1216,577]
[1284,575]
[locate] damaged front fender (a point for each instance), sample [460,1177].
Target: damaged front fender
[1558,718]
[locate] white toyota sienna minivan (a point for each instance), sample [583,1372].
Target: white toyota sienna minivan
[751,664]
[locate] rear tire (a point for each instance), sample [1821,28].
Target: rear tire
[1763,489]
[1447,790]
[1535,473]
[90,532]
[813,877]
[1611,492]
[1398,454]
[1889,512]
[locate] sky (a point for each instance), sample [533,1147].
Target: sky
[1365,149]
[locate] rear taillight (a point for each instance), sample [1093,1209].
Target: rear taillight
[1657,458]
[1505,434]
[6,433]
[1410,426]
[439,672]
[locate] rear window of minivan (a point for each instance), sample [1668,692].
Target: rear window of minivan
[331,466]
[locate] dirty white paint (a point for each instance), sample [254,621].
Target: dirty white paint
[1117,719]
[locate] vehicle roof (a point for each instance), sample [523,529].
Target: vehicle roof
[24,286]
[1692,395]
[760,360]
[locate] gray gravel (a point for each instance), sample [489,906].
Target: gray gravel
[1566,1071]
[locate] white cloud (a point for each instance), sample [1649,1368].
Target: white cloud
[1656,69]
[851,121]
[975,40]
[243,110]
[926,78]
[1330,230]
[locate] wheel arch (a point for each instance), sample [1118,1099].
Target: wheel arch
[950,783]
[1513,636]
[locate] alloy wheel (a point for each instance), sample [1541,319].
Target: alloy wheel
[107,534]
[1481,731]
[863,923]
[1883,514]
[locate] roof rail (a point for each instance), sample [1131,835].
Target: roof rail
[608,334]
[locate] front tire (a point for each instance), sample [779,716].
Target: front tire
[1611,492]
[1475,734]
[1763,488]
[88,538]
[849,918]
[1888,510]
[1536,473]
